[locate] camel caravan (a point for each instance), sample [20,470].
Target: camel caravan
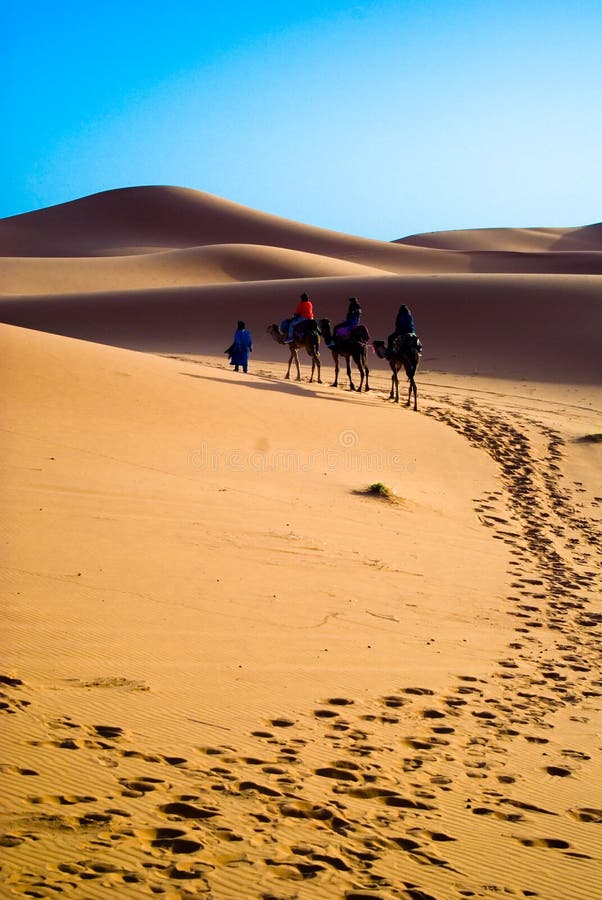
[351,341]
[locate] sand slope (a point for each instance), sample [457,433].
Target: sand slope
[228,674]
[211,264]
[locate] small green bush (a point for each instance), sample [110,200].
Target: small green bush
[380,491]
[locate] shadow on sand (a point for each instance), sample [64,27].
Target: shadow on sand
[261,383]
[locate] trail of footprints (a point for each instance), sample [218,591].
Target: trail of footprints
[363,819]
[556,556]
[350,796]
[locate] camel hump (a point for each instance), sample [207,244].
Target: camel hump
[404,343]
[360,333]
[307,327]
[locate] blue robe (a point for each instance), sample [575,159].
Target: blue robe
[404,323]
[241,347]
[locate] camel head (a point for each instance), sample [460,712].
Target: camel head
[380,349]
[325,329]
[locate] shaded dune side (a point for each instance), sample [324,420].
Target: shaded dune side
[464,320]
[521,240]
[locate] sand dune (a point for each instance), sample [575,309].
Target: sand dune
[521,240]
[147,220]
[211,264]
[231,671]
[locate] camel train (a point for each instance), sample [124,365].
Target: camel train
[351,341]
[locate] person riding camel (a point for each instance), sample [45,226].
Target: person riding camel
[404,323]
[343,329]
[304,310]
[404,327]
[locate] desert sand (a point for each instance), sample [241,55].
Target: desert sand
[228,669]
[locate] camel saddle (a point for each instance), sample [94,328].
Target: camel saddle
[301,329]
[358,333]
[408,342]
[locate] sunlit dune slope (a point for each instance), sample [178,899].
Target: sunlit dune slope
[124,454]
[211,264]
[520,240]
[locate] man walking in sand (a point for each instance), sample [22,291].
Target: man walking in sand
[240,348]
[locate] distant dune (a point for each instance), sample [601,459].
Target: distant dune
[517,240]
[209,264]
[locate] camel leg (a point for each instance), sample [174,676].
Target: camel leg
[413,387]
[335,357]
[410,371]
[290,362]
[297,364]
[315,364]
[367,386]
[351,384]
[396,377]
[361,370]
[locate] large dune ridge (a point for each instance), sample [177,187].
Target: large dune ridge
[275,639]
[146,219]
[154,219]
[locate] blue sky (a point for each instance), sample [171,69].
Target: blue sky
[376,118]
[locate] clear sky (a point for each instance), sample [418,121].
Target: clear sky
[381,119]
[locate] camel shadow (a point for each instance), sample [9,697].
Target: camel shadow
[283,388]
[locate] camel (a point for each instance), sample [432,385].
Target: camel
[402,353]
[309,339]
[351,348]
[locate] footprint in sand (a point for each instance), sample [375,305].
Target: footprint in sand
[176,840]
[338,774]
[136,787]
[110,732]
[62,799]
[187,810]
[545,843]
[303,809]
[558,771]
[259,788]
[587,814]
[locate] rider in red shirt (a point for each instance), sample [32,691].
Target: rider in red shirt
[303,310]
